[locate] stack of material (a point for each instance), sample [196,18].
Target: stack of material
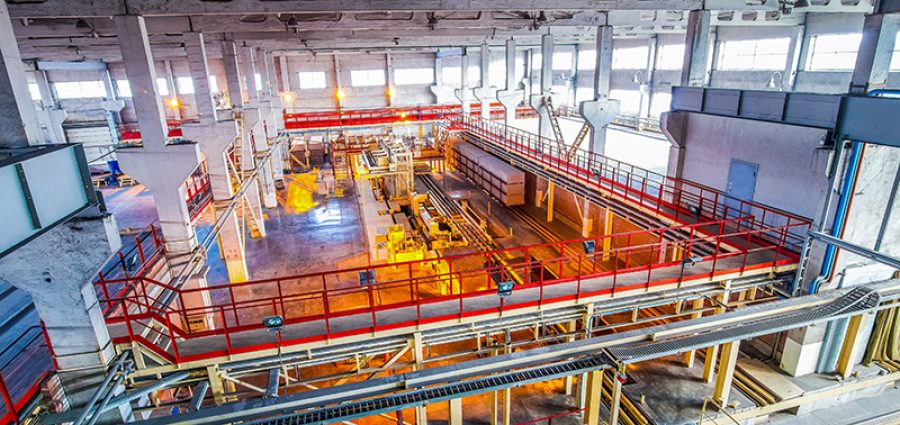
[309,152]
[498,178]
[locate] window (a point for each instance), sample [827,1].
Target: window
[451,76]
[629,101]
[833,52]
[413,76]
[762,54]
[185,85]
[123,88]
[671,56]
[35,91]
[80,90]
[162,86]
[895,56]
[587,59]
[367,77]
[536,59]
[213,84]
[312,80]
[630,58]
[661,103]
[257,79]
[562,61]
[582,94]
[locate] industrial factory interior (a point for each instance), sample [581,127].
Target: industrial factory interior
[450,212]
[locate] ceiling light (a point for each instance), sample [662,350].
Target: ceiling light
[292,22]
[82,24]
[801,3]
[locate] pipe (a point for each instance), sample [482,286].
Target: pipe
[128,398]
[96,396]
[109,395]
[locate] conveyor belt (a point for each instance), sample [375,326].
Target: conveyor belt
[858,300]
[415,398]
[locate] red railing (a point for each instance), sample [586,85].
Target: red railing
[386,116]
[334,304]
[21,375]
[130,262]
[130,133]
[682,201]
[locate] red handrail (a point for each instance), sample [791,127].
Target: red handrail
[641,256]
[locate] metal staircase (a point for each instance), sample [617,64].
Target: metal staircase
[554,120]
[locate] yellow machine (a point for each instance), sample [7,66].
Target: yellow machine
[402,247]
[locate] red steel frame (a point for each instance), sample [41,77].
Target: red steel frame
[14,399]
[197,191]
[244,300]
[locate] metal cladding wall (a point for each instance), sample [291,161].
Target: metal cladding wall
[498,178]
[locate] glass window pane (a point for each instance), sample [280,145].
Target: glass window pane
[312,80]
[213,84]
[671,56]
[185,85]
[123,87]
[35,91]
[587,59]
[367,78]
[413,76]
[562,61]
[630,58]
[630,100]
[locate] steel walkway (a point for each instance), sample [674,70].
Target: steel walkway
[366,398]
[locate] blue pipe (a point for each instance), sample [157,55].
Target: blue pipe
[840,217]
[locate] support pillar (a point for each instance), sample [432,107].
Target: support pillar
[691,355]
[616,397]
[19,127]
[725,375]
[538,100]
[419,358]
[161,167]
[462,93]
[253,131]
[875,50]
[456,416]
[550,192]
[215,137]
[696,49]
[850,347]
[598,113]
[570,379]
[513,95]
[594,402]
[56,270]
[50,116]
[485,94]
[442,93]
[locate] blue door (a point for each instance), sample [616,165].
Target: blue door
[741,186]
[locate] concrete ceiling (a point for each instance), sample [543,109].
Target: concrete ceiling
[84,30]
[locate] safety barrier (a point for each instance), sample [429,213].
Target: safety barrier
[301,121]
[323,306]
[197,191]
[21,373]
[681,201]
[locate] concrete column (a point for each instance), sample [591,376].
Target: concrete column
[696,49]
[252,129]
[789,77]
[462,93]
[19,126]
[442,93]
[339,86]
[594,402]
[646,88]
[485,94]
[215,137]
[56,269]
[284,74]
[160,167]
[874,59]
[725,375]
[389,92]
[539,100]
[510,97]
[599,112]
[50,116]
[173,88]
[232,74]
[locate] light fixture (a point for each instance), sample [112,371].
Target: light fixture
[801,3]
[292,22]
[390,92]
[174,103]
[287,97]
[82,24]
[339,94]
[776,81]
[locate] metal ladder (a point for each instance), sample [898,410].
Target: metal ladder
[579,139]
[554,121]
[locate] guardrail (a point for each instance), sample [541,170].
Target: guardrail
[681,201]
[363,300]
[21,376]
[305,121]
